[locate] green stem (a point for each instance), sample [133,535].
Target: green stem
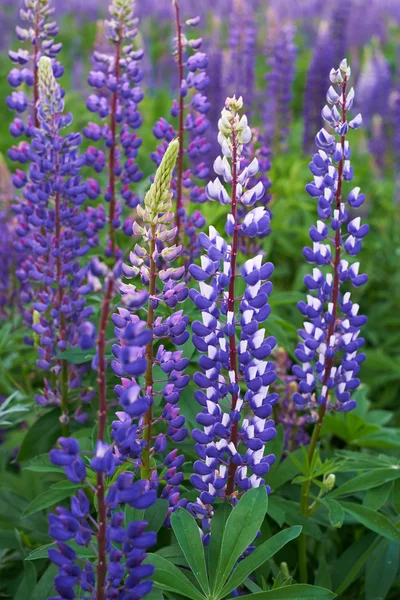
[305,488]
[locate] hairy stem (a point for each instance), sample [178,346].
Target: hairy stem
[181,127]
[149,382]
[231,308]
[305,488]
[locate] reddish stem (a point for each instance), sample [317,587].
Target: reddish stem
[181,128]
[335,291]
[305,488]
[60,293]
[113,129]
[231,308]
[100,491]
[148,417]
[35,70]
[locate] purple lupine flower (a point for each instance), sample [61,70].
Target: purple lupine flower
[372,85]
[395,112]
[330,337]
[40,32]
[257,148]
[294,424]
[119,571]
[231,451]
[163,287]
[191,111]
[9,258]
[116,78]
[277,111]
[316,85]
[242,53]
[53,235]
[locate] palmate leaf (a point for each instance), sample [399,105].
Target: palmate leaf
[366,481]
[49,498]
[381,569]
[241,529]
[218,523]
[260,555]
[169,578]
[294,592]
[188,536]
[373,520]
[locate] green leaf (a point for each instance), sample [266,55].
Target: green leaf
[44,587]
[323,576]
[76,356]
[156,514]
[241,529]
[375,498]
[81,551]
[48,498]
[366,481]
[373,520]
[381,570]
[28,583]
[41,464]
[349,565]
[218,523]
[174,554]
[188,536]
[41,436]
[260,555]
[294,592]
[336,512]
[168,577]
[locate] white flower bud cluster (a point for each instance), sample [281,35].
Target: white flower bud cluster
[232,128]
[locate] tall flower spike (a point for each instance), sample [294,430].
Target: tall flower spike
[116,81]
[163,288]
[53,235]
[331,335]
[191,111]
[277,110]
[235,373]
[40,33]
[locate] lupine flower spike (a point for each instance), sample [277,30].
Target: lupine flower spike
[191,111]
[328,352]
[330,338]
[235,373]
[163,289]
[54,234]
[116,81]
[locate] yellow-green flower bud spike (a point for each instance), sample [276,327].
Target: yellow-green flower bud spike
[47,81]
[36,320]
[158,198]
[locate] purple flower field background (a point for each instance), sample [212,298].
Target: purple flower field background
[199,330]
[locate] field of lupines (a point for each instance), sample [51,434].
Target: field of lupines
[199,342]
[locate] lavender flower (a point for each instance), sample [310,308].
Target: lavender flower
[163,287]
[316,84]
[8,256]
[277,110]
[53,235]
[40,33]
[330,338]
[119,570]
[294,424]
[231,450]
[191,111]
[116,81]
